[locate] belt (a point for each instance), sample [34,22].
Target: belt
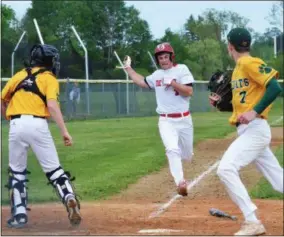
[19,116]
[176,115]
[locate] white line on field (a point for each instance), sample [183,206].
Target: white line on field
[158,231]
[165,206]
[189,187]
[277,120]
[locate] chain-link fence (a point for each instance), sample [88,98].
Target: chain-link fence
[108,99]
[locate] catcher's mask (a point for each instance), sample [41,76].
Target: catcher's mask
[46,56]
[164,48]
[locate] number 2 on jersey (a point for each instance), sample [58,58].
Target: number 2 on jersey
[243,94]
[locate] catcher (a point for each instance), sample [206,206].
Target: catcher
[253,89]
[28,98]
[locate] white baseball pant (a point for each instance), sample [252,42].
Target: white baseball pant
[252,145]
[177,137]
[26,132]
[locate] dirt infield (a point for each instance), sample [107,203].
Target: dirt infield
[128,213]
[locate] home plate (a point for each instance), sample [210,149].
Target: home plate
[153,231]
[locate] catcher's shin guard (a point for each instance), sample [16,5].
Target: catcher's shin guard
[61,182]
[18,197]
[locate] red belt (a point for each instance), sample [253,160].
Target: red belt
[176,115]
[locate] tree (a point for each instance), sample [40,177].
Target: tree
[9,22]
[213,24]
[263,44]
[103,27]
[204,58]
[10,35]
[277,63]
[275,16]
[178,42]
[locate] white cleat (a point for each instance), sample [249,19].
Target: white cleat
[251,228]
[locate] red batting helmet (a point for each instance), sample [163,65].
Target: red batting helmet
[164,48]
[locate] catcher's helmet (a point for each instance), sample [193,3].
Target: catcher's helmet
[164,48]
[46,56]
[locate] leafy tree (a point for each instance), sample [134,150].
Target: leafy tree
[9,23]
[10,35]
[103,27]
[263,44]
[178,42]
[205,57]
[275,16]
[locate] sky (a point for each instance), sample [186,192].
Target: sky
[161,15]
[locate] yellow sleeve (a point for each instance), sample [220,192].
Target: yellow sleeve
[259,72]
[52,88]
[12,84]
[6,92]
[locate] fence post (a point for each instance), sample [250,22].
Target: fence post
[38,31]
[153,61]
[86,69]
[127,83]
[15,49]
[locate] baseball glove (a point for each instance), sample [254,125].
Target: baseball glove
[221,91]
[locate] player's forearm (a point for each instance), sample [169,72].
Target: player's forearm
[56,115]
[135,77]
[183,90]
[273,89]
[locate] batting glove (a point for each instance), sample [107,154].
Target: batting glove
[126,63]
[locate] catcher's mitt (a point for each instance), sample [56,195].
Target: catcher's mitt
[220,87]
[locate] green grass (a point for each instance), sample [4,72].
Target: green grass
[277,112]
[110,154]
[264,189]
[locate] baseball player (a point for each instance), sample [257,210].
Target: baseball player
[173,85]
[254,88]
[27,100]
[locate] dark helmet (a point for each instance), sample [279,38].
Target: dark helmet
[46,56]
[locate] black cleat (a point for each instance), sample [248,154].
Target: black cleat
[18,221]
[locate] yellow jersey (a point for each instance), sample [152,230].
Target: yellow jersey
[249,80]
[25,102]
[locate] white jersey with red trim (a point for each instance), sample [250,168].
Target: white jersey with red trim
[168,100]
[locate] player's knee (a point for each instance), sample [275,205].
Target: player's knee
[187,156]
[278,187]
[61,181]
[173,152]
[222,173]
[18,191]
[225,172]
[55,174]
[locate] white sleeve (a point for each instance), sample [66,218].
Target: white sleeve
[150,80]
[186,76]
